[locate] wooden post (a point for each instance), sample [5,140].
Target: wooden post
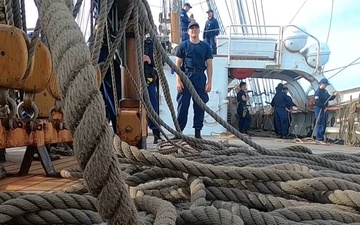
[131,119]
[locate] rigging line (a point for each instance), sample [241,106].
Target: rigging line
[234,15]
[263,14]
[331,17]
[344,68]
[248,14]
[298,11]
[231,20]
[258,17]
[256,21]
[337,68]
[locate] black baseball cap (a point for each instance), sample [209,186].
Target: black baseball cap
[193,24]
[210,10]
[188,5]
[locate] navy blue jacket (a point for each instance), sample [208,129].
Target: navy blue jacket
[290,102]
[239,98]
[184,20]
[281,100]
[194,55]
[321,97]
[149,51]
[211,28]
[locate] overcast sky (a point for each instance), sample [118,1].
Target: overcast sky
[314,16]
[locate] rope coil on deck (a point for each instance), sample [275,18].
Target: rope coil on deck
[193,182]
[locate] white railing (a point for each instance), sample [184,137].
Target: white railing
[277,32]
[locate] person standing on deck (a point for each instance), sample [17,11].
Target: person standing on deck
[278,88]
[184,21]
[322,98]
[280,102]
[289,108]
[243,110]
[211,30]
[194,57]
[150,75]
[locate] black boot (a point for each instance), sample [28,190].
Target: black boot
[157,137]
[198,134]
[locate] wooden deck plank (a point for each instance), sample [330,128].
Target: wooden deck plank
[46,184]
[35,181]
[24,183]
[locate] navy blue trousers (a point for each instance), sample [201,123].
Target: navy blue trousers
[281,121]
[198,79]
[211,41]
[107,90]
[152,89]
[244,121]
[321,125]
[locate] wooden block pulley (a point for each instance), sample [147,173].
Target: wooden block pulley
[38,77]
[13,56]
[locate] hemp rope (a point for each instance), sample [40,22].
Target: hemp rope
[23,15]
[17,14]
[9,12]
[208,215]
[84,111]
[260,201]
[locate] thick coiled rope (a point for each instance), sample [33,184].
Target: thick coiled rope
[84,107]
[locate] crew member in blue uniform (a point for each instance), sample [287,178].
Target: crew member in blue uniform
[150,75]
[185,21]
[289,107]
[194,57]
[280,102]
[279,88]
[243,110]
[322,98]
[211,30]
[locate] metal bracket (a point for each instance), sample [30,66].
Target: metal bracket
[44,158]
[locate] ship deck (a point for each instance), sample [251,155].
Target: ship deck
[37,182]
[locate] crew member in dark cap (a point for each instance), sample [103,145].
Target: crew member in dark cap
[280,102]
[194,57]
[184,21]
[211,30]
[322,98]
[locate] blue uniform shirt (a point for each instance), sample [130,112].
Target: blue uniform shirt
[149,51]
[281,100]
[211,28]
[239,98]
[290,102]
[194,55]
[184,20]
[321,96]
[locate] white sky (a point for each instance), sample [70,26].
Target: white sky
[314,17]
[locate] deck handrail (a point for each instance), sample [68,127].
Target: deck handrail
[280,39]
